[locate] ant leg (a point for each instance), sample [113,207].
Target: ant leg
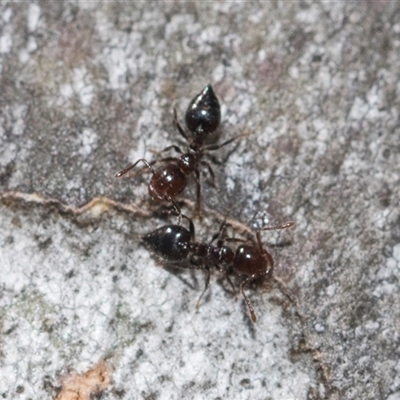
[233,240]
[195,263]
[268,258]
[221,229]
[218,146]
[247,300]
[225,273]
[232,285]
[198,193]
[140,170]
[214,159]
[124,171]
[218,234]
[191,228]
[286,291]
[177,209]
[178,126]
[260,246]
[168,159]
[205,287]
[210,171]
[173,147]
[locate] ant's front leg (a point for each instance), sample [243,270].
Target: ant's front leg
[224,272]
[208,271]
[213,147]
[192,233]
[231,283]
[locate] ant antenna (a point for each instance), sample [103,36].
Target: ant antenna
[285,225]
[249,305]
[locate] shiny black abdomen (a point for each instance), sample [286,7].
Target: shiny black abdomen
[171,242]
[203,115]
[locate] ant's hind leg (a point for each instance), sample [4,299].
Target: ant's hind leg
[125,170]
[253,316]
[191,230]
[211,172]
[178,126]
[198,193]
[205,287]
[213,147]
[218,234]
[230,282]
[172,147]
[176,210]
[168,159]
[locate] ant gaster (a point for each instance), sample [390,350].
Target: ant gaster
[202,118]
[174,243]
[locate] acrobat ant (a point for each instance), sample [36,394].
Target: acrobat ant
[174,243]
[202,118]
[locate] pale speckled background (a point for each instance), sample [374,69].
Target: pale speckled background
[88,87]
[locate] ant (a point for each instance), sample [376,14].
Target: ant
[202,118]
[174,243]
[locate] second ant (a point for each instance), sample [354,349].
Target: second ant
[174,244]
[202,118]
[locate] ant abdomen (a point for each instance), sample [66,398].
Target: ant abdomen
[171,242]
[203,114]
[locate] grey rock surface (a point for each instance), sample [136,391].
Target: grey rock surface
[87,88]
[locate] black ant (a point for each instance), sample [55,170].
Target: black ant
[174,243]
[202,118]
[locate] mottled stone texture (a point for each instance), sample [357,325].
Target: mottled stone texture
[87,88]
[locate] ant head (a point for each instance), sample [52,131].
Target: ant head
[253,262]
[204,113]
[171,242]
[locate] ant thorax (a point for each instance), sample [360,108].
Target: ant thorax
[213,255]
[188,162]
